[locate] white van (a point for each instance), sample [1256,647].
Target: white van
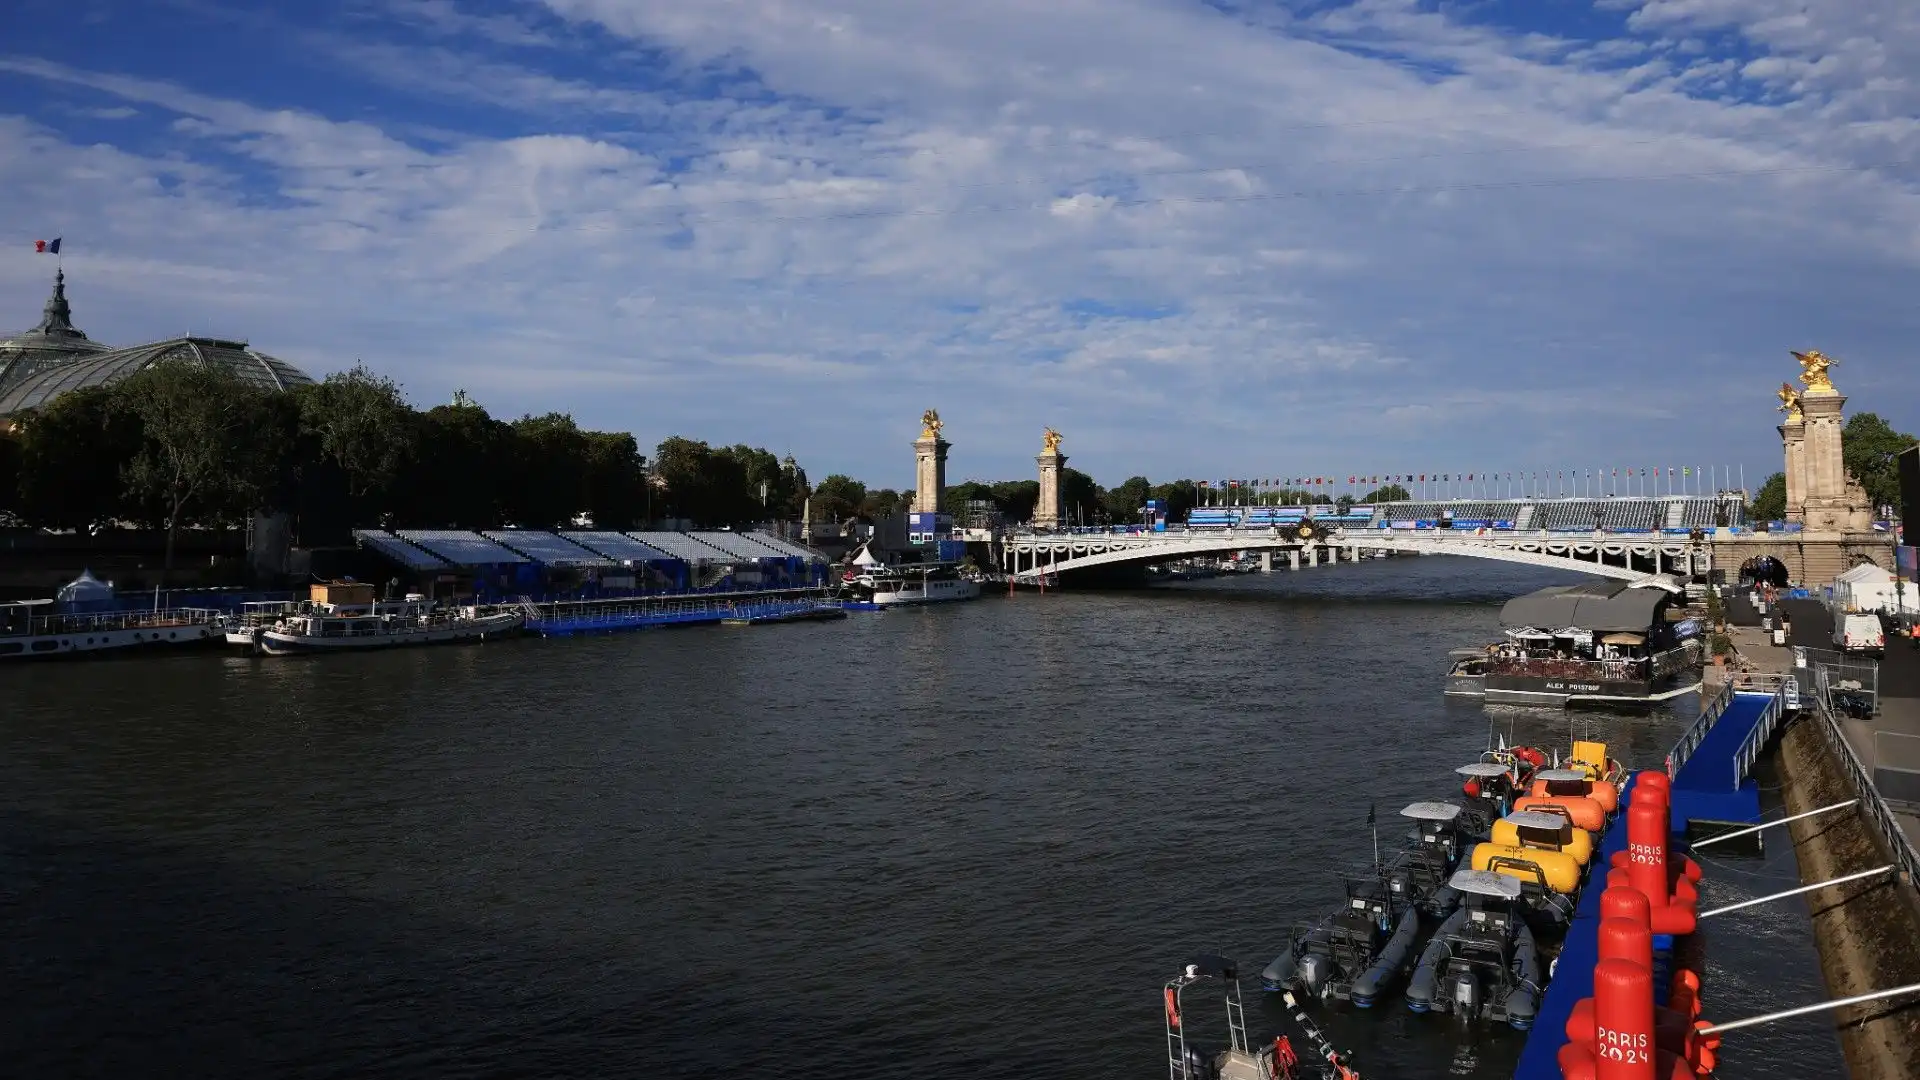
[1859,633]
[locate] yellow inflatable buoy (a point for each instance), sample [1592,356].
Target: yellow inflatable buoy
[1556,869]
[1555,833]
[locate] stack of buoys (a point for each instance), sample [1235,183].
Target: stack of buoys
[1668,879]
[1620,1033]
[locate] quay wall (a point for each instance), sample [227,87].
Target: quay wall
[1865,930]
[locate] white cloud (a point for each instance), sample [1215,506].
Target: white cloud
[1308,254]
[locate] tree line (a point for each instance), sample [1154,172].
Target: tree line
[190,444]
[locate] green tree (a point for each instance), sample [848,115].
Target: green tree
[881,503]
[701,484]
[1870,444]
[71,453]
[1387,493]
[616,480]
[1124,504]
[202,447]
[1081,500]
[462,469]
[1770,502]
[356,432]
[9,479]
[838,497]
[549,473]
[1016,498]
[1178,496]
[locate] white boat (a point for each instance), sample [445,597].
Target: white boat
[32,629]
[254,616]
[904,586]
[382,627]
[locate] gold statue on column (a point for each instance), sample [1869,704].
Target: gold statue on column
[1051,440]
[930,424]
[1813,371]
[1790,402]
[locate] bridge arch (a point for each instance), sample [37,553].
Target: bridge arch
[1030,557]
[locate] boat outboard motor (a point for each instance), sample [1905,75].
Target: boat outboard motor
[1464,988]
[1315,974]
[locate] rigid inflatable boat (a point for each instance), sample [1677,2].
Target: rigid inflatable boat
[1419,871]
[1356,954]
[1482,964]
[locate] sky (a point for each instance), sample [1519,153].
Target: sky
[1204,238]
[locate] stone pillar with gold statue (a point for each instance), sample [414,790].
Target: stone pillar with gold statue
[1832,501]
[1793,442]
[1047,513]
[924,521]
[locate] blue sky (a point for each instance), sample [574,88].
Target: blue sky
[1213,239]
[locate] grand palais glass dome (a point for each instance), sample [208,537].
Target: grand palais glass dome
[38,365]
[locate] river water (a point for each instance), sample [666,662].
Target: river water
[962,842]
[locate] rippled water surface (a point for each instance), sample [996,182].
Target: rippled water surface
[967,842]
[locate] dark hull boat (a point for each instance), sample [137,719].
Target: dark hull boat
[1483,962]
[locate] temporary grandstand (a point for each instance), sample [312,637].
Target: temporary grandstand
[517,561]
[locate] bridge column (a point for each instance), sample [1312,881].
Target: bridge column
[1266,562]
[1293,556]
[1313,557]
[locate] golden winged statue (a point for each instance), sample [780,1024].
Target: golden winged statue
[1051,440]
[1813,371]
[930,424]
[1790,401]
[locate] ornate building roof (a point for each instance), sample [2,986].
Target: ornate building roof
[54,342]
[105,368]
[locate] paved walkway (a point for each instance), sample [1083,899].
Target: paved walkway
[1899,677]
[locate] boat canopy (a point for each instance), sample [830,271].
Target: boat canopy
[1482,768]
[1486,883]
[1537,819]
[1599,607]
[1431,811]
[1561,775]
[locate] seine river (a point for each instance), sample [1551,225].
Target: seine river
[964,842]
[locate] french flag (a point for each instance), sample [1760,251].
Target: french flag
[47,247]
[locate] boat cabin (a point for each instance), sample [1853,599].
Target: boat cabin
[1432,850]
[1489,897]
[1488,787]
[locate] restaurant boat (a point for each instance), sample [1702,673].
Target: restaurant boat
[1601,642]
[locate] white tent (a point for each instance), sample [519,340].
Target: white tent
[1871,588]
[865,558]
[85,589]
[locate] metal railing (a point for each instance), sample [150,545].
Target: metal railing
[1874,808]
[1842,671]
[1763,729]
[1710,710]
[160,619]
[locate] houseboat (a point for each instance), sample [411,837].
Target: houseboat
[344,616]
[1603,642]
[87,618]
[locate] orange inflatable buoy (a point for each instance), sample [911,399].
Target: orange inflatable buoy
[1173,1009]
[1582,811]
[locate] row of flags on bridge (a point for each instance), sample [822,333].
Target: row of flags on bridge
[1682,471]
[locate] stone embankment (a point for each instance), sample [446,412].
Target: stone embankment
[1868,932]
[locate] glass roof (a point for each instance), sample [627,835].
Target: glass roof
[106,368]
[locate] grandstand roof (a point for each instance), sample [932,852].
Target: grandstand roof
[1602,607]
